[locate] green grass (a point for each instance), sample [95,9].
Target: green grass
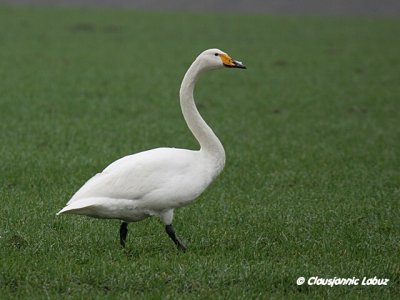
[311,130]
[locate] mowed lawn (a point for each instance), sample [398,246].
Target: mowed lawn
[311,131]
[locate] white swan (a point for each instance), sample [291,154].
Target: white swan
[155,182]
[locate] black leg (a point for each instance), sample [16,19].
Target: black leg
[123,231]
[171,232]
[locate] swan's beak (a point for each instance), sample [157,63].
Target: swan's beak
[231,63]
[238,64]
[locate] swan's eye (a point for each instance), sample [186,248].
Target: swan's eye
[216,54]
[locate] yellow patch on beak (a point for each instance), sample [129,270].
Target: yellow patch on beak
[227,60]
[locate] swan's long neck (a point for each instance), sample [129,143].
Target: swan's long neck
[209,142]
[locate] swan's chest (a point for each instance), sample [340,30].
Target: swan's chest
[179,188]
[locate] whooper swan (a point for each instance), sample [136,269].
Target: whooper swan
[155,182]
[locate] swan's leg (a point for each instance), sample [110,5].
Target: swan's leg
[167,217]
[171,232]
[123,231]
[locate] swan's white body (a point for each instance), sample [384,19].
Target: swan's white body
[157,181]
[148,183]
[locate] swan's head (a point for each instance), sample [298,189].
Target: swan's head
[215,59]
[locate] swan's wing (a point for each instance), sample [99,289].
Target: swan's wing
[151,174]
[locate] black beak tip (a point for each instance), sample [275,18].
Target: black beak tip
[236,64]
[239,65]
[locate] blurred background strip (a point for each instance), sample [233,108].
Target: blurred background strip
[304,7]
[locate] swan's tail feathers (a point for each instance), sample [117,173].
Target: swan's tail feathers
[69,209]
[104,208]
[88,207]
[61,211]
[73,209]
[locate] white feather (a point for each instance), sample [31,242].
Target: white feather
[157,181]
